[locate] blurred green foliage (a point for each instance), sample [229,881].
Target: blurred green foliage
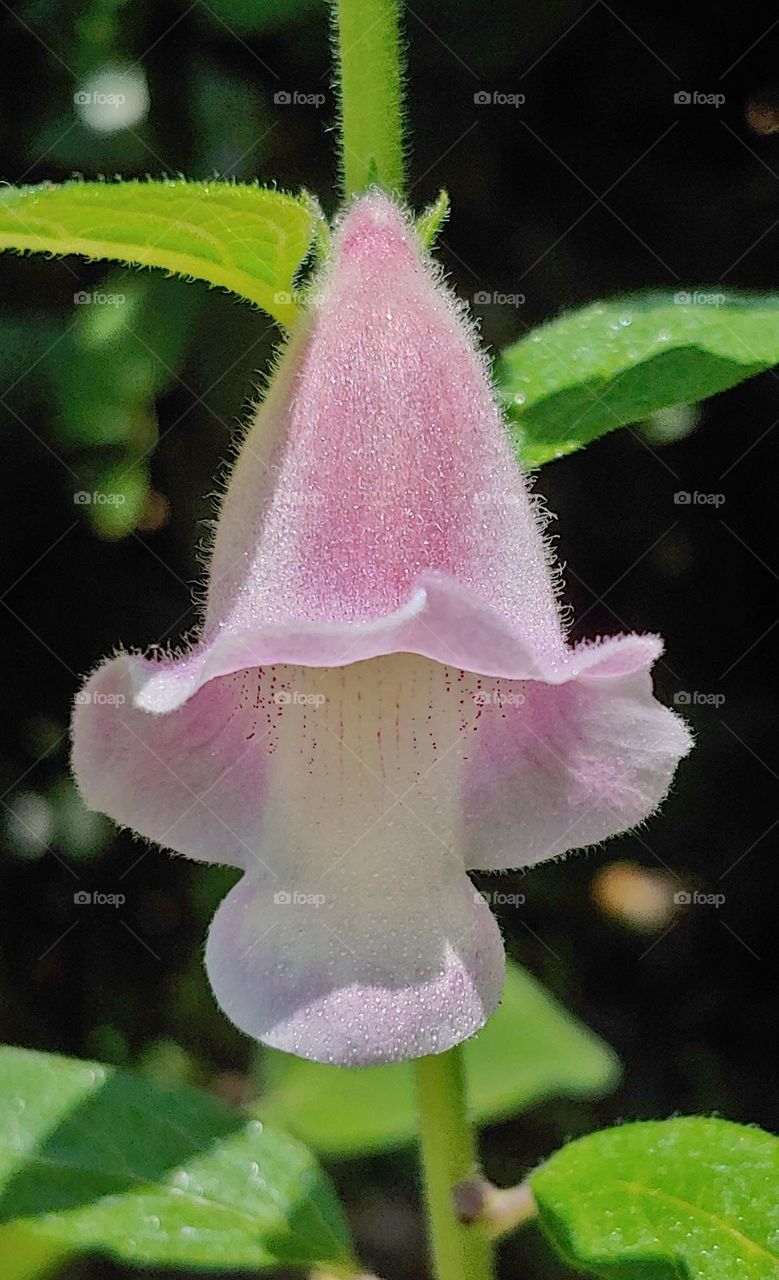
[96,1160]
[530,1050]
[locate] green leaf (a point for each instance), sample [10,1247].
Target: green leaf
[95,1160]
[432,219]
[615,362]
[530,1050]
[248,239]
[26,1258]
[685,1199]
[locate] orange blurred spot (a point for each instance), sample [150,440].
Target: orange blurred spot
[156,513]
[762,112]
[640,898]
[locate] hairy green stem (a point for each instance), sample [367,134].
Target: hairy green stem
[449,1157]
[370,78]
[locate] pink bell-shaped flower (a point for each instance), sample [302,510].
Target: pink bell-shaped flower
[382,696]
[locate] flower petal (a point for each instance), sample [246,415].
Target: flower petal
[559,767]
[339,789]
[441,620]
[193,780]
[338,956]
[359,970]
[378,456]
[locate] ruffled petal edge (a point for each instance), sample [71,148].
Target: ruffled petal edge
[441,620]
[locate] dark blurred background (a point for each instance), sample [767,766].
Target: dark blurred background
[601,182]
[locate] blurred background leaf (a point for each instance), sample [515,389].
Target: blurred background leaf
[529,1051]
[249,17]
[119,355]
[93,1160]
[25,1257]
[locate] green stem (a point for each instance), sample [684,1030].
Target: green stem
[371,84]
[449,1157]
